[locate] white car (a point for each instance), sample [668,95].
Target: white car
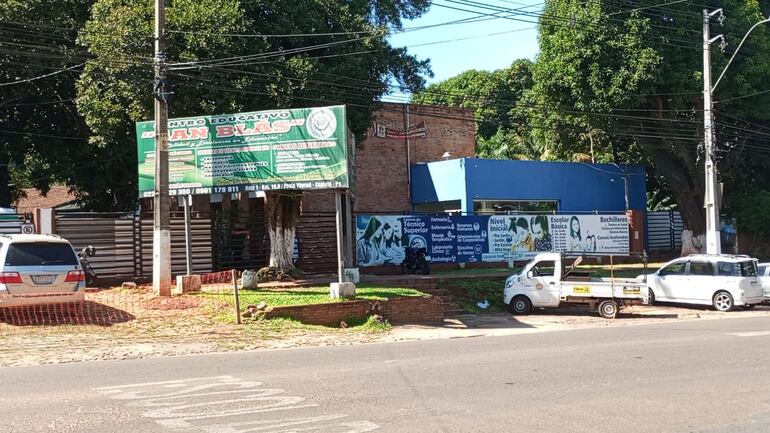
[763,272]
[39,269]
[723,281]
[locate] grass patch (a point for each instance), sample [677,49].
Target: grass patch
[368,324]
[468,293]
[285,325]
[221,306]
[480,271]
[320,295]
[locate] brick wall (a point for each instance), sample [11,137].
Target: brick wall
[396,310]
[382,169]
[381,163]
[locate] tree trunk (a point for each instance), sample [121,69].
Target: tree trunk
[692,244]
[5,189]
[282,210]
[677,161]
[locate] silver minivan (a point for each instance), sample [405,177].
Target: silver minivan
[39,269]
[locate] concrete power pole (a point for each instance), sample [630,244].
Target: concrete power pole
[161,240]
[711,201]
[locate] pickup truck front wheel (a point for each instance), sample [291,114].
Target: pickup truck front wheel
[520,305]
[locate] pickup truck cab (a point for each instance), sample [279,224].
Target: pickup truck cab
[721,280]
[545,282]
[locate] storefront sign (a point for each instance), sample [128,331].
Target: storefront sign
[296,149]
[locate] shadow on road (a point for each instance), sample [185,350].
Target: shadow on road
[81,313]
[586,312]
[484,321]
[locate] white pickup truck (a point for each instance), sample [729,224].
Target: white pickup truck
[547,282]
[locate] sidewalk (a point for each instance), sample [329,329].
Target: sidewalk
[500,324]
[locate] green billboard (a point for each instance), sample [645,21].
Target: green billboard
[292,149]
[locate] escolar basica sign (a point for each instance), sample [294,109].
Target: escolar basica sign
[293,149]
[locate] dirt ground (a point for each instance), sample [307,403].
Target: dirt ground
[131,323]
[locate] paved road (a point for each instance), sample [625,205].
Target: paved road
[710,376]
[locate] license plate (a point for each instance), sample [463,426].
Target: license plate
[43,279]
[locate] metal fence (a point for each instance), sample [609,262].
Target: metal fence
[664,231]
[11,223]
[123,243]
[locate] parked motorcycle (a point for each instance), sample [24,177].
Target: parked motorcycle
[83,256]
[415,261]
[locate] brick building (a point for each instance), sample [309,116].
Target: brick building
[401,135]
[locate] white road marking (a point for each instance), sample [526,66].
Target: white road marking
[178,404]
[751,334]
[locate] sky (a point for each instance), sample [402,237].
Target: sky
[489,44]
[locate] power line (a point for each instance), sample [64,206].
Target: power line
[41,76]
[287,35]
[647,7]
[761,92]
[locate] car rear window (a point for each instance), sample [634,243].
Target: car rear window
[748,269]
[739,269]
[40,254]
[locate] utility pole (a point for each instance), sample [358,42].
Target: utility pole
[161,239]
[711,201]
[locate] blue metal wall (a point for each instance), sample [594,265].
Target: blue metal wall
[440,181]
[577,187]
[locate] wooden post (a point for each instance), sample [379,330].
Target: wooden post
[237,299]
[340,241]
[188,232]
[349,231]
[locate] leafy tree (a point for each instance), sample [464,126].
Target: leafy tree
[339,55]
[39,124]
[501,128]
[632,74]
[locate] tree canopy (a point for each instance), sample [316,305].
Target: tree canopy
[232,56]
[77,126]
[635,75]
[493,95]
[623,83]
[39,63]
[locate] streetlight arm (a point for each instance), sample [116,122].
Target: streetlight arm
[736,52]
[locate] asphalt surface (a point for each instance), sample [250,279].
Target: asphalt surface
[697,376]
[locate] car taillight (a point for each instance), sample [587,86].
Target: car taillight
[75,277]
[10,278]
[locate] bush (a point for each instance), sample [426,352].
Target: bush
[269,274]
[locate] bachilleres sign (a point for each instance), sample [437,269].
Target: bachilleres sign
[291,149]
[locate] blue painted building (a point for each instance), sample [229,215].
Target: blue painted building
[482,186]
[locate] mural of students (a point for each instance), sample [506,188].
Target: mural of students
[522,237]
[381,240]
[576,241]
[540,233]
[392,244]
[368,245]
